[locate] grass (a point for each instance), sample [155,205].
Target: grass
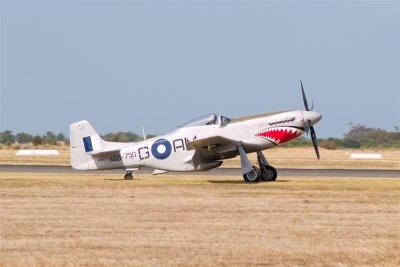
[102,220]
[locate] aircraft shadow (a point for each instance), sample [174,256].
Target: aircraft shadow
[119,179]
[241,182]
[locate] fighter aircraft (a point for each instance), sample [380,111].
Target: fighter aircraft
[199,145]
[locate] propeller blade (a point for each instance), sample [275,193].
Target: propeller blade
[304,97]
[314,141]
[307,126]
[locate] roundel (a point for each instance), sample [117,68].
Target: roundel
[161,149]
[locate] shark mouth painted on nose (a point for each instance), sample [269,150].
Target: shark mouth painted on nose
[280,135]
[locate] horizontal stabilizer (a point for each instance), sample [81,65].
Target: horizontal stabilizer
[157,171]
[106,152]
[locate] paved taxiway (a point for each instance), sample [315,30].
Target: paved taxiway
[219,171]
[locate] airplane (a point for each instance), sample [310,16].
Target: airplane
[198,145]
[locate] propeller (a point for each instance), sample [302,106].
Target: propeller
[307,124]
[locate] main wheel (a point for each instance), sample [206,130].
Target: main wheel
[252,176]
[269,173]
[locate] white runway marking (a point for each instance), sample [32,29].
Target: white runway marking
[37,152]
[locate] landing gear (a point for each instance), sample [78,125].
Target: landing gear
[129,171]
[253,176]
[268,173]
[128,175]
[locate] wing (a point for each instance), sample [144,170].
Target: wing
[214,147]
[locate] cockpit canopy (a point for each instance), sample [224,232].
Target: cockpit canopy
[209,119]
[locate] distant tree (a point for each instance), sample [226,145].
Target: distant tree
[24,138]
[298,142]
[132,137]
[351,143]
[60,137]
[392,144]
[7,137]
[362,136]
[122,137]
[116,137]
[50,136]
[37,140]
[331,143]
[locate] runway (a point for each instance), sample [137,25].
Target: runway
[357,173]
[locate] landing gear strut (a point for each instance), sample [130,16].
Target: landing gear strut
[253,174]
[128,175]
[268,173]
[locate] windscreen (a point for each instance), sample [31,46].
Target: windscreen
[208,119]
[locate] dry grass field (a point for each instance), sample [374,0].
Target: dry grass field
[101,220]
[278,157]
[7,156]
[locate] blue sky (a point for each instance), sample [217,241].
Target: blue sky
[161,63]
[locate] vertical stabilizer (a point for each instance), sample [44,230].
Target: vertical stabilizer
[83,141]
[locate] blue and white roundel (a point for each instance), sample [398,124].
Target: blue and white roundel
[161,149]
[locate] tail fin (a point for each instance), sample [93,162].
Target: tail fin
[83,139]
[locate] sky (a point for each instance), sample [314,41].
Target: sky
[124,64]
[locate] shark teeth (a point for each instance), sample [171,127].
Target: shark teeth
[280,135]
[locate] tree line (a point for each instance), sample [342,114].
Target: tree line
[8,138]
[50,138]
[359,136]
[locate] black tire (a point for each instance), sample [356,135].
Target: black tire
[128,176]
[269,174]
[253,176]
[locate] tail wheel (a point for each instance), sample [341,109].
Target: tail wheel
[253,176]
[128,176]
[269,173]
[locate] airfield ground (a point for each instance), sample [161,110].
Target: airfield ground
[279,157]
[102,220]
[188,220]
